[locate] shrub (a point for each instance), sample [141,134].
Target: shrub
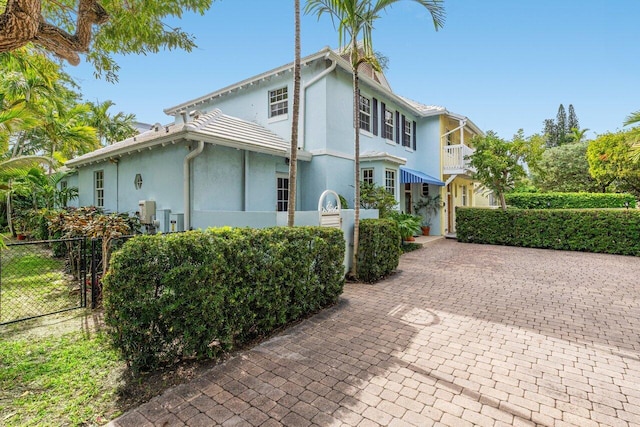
[199,294]
[376,197]
[569,200]
[378,250]
[408,225]
[589,230]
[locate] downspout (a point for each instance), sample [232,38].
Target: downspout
[187,183]
[303,96]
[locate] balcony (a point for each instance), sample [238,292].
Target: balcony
[454,160]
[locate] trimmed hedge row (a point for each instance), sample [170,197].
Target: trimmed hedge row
[569,200]
[378,249]
[589,230]
[199,294]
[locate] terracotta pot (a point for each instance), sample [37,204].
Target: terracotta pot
[425,230]
[21,236]
[410,239]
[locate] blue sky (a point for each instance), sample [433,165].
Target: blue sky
[505,64]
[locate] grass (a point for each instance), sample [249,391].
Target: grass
[33,282]
[69,379]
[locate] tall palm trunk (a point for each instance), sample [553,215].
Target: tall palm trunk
[293,159]
[356,165]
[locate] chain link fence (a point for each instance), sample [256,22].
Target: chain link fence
[42,278]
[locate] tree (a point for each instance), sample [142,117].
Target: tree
[97,28]
[559,131]
[498,163]
[561,125]
[355,18]
[611,164]
[293,157]
[572,120]
[576,135]
[634,118]
[110,129]
[564,169]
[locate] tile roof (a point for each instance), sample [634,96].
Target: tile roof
[213,127]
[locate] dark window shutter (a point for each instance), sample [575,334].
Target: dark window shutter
[397,128]
[414,136]
[375,116]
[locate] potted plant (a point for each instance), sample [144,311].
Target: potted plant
[427,207]
[408,225]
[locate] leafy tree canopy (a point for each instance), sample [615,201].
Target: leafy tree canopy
[564,169]
[97,28]
[499,164]
[611,164]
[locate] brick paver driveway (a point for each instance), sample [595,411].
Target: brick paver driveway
[461,335]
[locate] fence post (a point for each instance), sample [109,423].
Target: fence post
[94,275]
[83,272]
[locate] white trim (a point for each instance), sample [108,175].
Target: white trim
[280,118]
[333,154]
[366,133]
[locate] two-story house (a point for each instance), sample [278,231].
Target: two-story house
[224,158]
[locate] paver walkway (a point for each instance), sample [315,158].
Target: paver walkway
[462,335]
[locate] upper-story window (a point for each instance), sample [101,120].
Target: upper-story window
[98,186]
[387,130]
[406,135]
[278,102]
[365,113]
[367,175]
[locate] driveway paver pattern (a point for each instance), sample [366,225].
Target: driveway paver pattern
[461,335]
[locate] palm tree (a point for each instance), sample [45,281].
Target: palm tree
[293,159]
[110,129]
[355,18]
[576,135]
[634,118]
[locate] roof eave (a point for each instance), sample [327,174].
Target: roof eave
[247,82]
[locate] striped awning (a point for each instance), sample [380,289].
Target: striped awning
[410,176]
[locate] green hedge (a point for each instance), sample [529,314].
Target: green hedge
[378,249]
[589,230]
[198,294]
[569,200]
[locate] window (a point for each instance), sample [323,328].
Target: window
[98,197]
[278,102]
[463,191]
[63,185]
[390,181]
[406,136]
[425,189]
[387,131]
[367,175]
[283,194]
[365,113]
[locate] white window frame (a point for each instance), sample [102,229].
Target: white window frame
[282,193]
[390,181]
[279,102]
[407,133]
[98,188]
[367,175]
[386,134]
[463,190]
[364,110]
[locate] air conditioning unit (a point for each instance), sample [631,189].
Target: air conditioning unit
[147,211]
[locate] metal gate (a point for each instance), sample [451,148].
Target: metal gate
[41,278]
